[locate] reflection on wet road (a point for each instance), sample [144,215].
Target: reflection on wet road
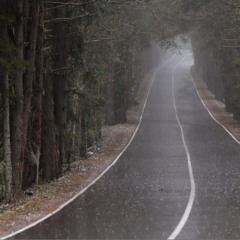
[145,194]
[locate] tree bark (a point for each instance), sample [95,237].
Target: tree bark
[60,84]
[120,108]
[230,82]
[109,92]
[7,140]
[37,98]
[49,157]
[17,107]
[83,147]
[30,58]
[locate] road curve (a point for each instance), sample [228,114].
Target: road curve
[178,179]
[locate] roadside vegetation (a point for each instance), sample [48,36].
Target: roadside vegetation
[214,27]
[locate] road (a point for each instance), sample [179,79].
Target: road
[178,179]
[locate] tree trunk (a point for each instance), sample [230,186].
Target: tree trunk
[129,77]
[17,108]
[83,148]
[30,58]
[109,92]
[37,98]
[49,158]
[7,140]
[120,108]
[229,80]
[60,84]
[31,32]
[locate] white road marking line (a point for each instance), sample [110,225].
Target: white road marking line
[189,206]
[234,138]
[99,176]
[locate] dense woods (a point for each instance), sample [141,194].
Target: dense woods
[68,67]
[214,29]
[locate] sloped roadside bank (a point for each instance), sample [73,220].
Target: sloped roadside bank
[50,197]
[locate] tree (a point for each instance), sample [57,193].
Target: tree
[213,29]
[6,49]
[67,66]
[17,148]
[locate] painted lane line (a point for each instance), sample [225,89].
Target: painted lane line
[189,206]
[101,174]
[234,138]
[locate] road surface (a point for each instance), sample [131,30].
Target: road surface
[179,178]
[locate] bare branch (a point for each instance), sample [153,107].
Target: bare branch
[234,46]
[62,4]
[60,69]
[70,18]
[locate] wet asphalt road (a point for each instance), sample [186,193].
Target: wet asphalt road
[144,195]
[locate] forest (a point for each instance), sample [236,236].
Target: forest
[69,67]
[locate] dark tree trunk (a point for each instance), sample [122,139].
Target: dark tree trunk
[60,83]
[37,96]
[230,81]
[5,121]
[7,139]
[128,77]
[120,107]
[83,148]
[30,58]
[49,157]
[29,172]
[17,148]
[109,93]
[218,79]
